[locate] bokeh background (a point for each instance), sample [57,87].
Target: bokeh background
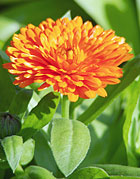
[108,130]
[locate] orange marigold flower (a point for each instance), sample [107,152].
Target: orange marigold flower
[77,59]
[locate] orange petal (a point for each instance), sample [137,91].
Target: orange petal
[72,97]
[90,94]
[102,92]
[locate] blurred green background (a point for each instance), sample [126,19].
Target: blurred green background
[115,133]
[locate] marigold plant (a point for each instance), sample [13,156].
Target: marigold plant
[77,59]
[84,122]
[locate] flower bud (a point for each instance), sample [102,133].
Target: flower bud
[9,125]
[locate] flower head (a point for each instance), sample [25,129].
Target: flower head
[77,59]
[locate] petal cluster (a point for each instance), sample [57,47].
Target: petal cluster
[77,59]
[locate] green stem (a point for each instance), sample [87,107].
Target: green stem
[19,170]
[72,111]
[65,107]
[73,106]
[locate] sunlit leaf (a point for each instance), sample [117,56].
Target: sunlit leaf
[70,141]
[13,147]
[35,172]
[120,170]
[28,152]
[40,115]
[89,172]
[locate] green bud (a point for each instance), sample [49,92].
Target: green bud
[9,125]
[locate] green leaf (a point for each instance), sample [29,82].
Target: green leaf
[122,177]
[70,141]
[131,71]
[35,172]
[13,146]
[129,119]
[73,106]
[107,13]
[112,169]
[40,115]
[28,152]
[34,101]
[89,172]
[22,97]
[67,14]
[7,90]
[43,154]
[138,11]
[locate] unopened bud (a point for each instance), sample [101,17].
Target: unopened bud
[9,125]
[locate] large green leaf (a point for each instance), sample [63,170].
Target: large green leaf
[22,97]
[40,115]
[120,15]
[35,172]
[70,141]
[89,172]
[13,147]
[120,170]
[28,152]
[43,154]
[131,71]
[7,90]
[130,116]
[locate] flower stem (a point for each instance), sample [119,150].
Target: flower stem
[72,111]
[65,107]
[19,170]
